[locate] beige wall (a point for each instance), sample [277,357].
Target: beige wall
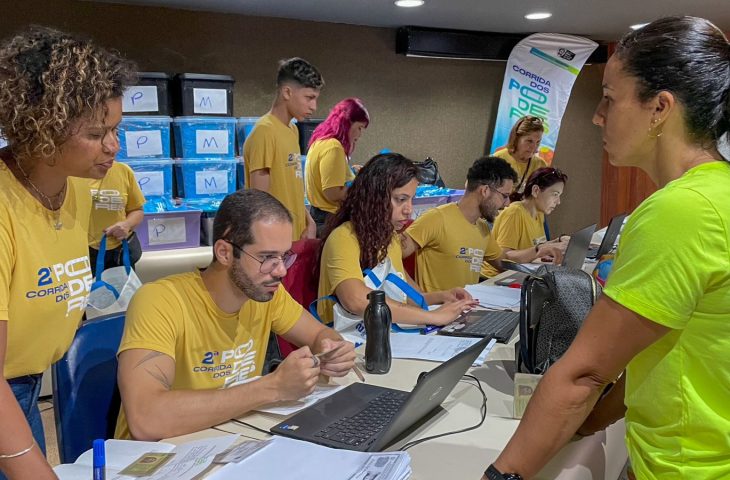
[419,107]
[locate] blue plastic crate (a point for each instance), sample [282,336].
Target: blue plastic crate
[204,137]
[209,178]
[154,176]
[144,137]
[244,127]
[240,174]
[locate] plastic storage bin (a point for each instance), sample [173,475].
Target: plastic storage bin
[203,94]
[210,178]
[177,228]
[421,204]
[306,129]
[144,137]
[244,127]
[456,195]
[150,96]
[154,176]
[204,137]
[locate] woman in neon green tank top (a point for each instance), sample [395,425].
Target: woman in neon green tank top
[663,316]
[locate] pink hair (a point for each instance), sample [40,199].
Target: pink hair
[338,123]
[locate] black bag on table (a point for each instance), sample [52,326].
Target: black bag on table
[554,302]
[428,173]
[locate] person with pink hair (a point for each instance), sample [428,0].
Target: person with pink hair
[328,172]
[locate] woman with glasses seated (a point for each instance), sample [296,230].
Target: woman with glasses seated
[364,233]
[520,230]
[521,150]
[328,172]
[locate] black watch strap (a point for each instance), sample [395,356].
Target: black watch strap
[493,474]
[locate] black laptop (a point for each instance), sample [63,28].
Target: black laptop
[609,238]
[368,418]
[498,324]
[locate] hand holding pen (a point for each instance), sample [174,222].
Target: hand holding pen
[337,358]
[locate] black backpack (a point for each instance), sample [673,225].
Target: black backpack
[554,302]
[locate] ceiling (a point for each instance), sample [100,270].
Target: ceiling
[598,19]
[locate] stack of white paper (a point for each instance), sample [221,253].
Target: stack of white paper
[288,458]
[190,459]
[495,297]
[435,348]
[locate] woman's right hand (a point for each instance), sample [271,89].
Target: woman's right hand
[555,250]
[448,312]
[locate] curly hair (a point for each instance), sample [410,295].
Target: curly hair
[338,123]
[299,71]
[368,206]
[50,79]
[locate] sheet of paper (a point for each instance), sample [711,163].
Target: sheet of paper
[119,454]
[384,465]
[287,408]
[285,456]
[494,296]
[436,348]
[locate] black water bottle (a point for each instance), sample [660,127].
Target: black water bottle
[377,329]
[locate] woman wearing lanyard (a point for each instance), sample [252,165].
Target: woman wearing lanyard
[521,151]
[663,316]
[328,172]
[363,233]
[60,103]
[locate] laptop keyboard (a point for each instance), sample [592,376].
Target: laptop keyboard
[499,325]
[367,423]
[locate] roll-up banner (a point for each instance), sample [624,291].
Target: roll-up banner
[540,74]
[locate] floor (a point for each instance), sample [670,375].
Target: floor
[49,425]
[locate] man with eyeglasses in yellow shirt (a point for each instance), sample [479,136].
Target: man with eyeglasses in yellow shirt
[194,344]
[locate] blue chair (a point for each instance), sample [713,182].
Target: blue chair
[85,389]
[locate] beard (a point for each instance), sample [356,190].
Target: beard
[488,213]
[250,288]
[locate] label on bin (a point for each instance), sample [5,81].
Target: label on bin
[211,141]
[140,98]
[143,143]
[210,100]
[151,183]
[163,231]
[211,181]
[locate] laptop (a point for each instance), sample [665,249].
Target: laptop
[368,418]
[609,238]
[484,323]
[575,255]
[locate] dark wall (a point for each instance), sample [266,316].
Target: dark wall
[419,107]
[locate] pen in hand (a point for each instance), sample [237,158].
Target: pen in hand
[320,355]
[99,460]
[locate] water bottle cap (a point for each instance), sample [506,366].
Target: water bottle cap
[376,296]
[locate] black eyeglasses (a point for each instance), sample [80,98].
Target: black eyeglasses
[270,262]
[505,196]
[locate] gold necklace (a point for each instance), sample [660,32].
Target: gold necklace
[56,211]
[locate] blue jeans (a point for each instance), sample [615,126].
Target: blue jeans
[26,390]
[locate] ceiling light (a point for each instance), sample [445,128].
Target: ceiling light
[538,16]
[638,26]
[408,3]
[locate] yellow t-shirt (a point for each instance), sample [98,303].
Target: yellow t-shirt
[112,198]
[275,146]
[520,167]
[327,167]
[212,349]
[673,268]
[516,229]
[341,261]
[452,249]
[45,276]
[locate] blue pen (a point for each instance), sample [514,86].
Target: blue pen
[429,329]
[99,460]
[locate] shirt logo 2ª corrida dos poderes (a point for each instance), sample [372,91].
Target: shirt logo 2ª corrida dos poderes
[68,282]
[234,366]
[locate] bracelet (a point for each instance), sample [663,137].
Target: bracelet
[18,454]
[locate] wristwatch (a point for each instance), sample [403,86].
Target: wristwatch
[493,474]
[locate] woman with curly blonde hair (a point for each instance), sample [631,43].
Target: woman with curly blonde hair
[60,103]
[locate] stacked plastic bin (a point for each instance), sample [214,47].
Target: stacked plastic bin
[205,142]
[429,196]
[145,140]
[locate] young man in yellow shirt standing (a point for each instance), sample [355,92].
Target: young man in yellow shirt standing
[452,241]
[194,344]
[272,158]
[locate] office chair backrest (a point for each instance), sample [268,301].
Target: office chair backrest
[85,389]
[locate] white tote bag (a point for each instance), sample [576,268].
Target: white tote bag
[112,288]
[383,277]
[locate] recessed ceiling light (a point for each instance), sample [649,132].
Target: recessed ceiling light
[408,3]
[538,16]
[638,26]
